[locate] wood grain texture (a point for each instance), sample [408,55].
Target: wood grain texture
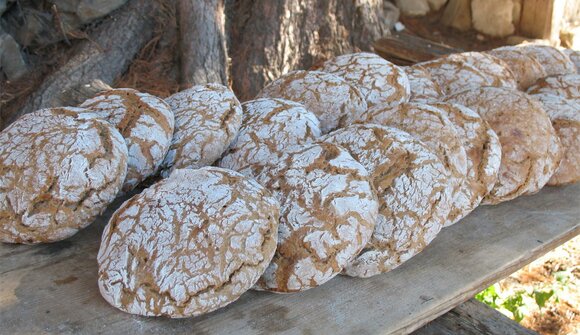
[407,49]
[270,38]
[202,42]
[105,55]
[541,18]
[473,318]
[52,288]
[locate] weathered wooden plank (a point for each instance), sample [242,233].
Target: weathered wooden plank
[52,288]
[473,318]
[406,49]
[541,18]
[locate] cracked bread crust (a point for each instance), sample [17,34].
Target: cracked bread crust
[431,126]
[146,123]
[554,61]
[458,72]
[423,88]
[207,119]
[565,116]
[483,151]
[380,81]
[270,128]
[567,86]
[328,212]
[57,173]
[574,56]
[334,101]
[188,245]
[412,186]
[526,69]
[530,147]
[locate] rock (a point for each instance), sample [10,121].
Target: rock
[11,60]
[89,10]
[413,7]
[391,14]
[436,4]
[493,17]
[457,14]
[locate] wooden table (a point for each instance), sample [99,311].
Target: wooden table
[52,288]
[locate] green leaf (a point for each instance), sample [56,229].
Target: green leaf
[542,296]
[514,303]
[488,296]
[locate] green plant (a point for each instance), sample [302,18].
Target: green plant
[514,304]
[489,296]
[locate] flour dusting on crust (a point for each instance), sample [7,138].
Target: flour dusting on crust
[328,212]
[431,126]
[554,61]
[565,116]
[413,191]
[380,81]
[526,69]
[269,129]
[458,72]
[207,119]
[146,123]
[332,99]
[483,151]
[566,86]
[530,147]
[58,172]
[188,245]
[423,88]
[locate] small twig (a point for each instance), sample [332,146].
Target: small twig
[59,24]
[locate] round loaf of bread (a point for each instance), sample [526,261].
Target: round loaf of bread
[554,61]
[431,126]
[423,88]
[565,116]
[328,212]
[458,72]
[380,81]
[269,129]
[530,147]
[146,123]
[566,86]
[207,119]
[412,186]
[526,69]
[334,101]
[483,151]
[58,173]
[188,245]
[574,56]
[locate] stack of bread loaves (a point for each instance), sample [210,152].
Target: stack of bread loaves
[352,168]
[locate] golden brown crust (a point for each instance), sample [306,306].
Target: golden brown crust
[188,245]
[57,172]
[530,147]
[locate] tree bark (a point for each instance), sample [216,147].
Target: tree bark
[105,55]
[202,42]
[270,38]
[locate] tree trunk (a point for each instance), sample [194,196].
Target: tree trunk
[202,42]
[105,55]
[270,38]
